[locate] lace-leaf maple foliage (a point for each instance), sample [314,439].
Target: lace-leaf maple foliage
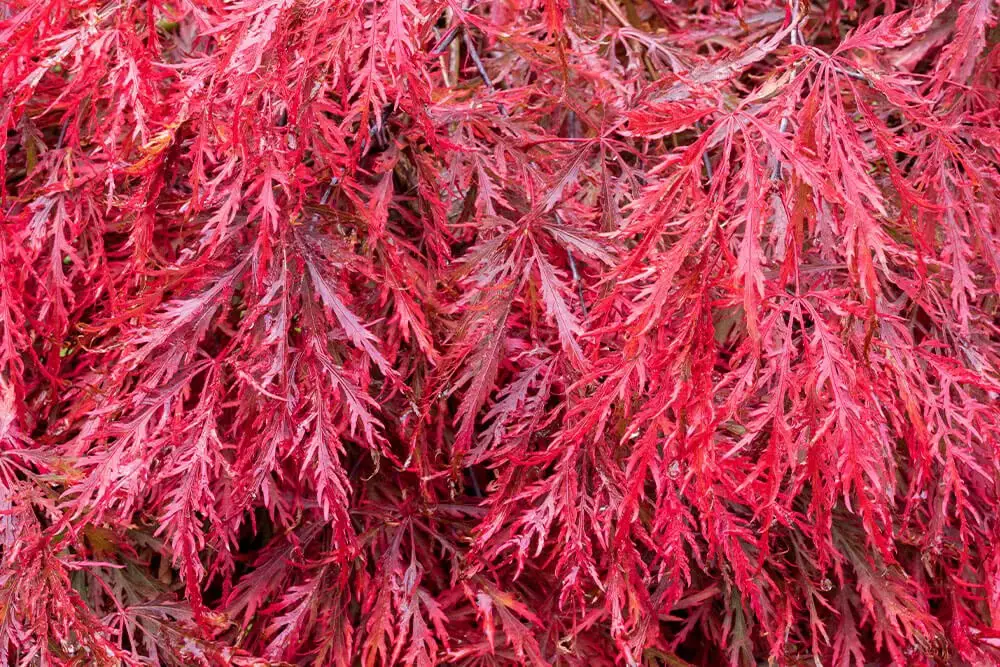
[539,332]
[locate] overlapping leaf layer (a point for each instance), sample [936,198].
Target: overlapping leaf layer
[569,332]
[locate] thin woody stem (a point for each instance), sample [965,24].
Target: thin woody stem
[474,53]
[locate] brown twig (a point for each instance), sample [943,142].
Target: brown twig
[474,53]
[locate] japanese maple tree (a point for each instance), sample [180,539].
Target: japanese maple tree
[542,332]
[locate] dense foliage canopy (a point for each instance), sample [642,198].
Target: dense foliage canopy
[569,332]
